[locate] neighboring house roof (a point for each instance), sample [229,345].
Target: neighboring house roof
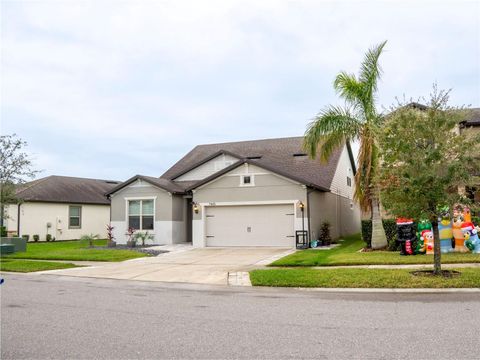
[284,156]
[472,117]
[164,184]
[65,189]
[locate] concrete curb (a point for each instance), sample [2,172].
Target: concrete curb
[239,278]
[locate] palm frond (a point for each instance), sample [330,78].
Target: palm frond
[328,130]
[348,87]
[370,73]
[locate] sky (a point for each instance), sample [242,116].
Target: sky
[110,89]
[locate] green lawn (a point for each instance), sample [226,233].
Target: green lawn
[73,250]
[361,278]
[19,265]
[347,254]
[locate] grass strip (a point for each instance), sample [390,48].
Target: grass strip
[361,278]
[24,266]
[348,254]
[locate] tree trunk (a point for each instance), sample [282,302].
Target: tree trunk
[379,239]
[437,262]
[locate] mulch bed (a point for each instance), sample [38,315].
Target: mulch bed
[139,248]
[444,273]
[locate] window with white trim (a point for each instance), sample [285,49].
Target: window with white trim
[74,217]
[141,214]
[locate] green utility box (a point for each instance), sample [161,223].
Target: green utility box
[7,249]
[19,243]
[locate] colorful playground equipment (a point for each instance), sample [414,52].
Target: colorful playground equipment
[445,230]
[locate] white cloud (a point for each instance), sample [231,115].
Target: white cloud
[139,79]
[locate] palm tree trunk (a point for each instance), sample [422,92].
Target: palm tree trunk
[379,239]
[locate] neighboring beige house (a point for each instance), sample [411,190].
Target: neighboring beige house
[249,193]
[65,207]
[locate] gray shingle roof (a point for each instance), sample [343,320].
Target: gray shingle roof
[472,117]
[164,184]
[65,189]
[275,155]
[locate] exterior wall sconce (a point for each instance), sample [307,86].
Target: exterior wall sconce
[195,207]
[301,205]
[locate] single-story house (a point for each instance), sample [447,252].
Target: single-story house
[248,193]
[64,207]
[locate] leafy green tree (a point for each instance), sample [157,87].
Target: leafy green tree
[358,120]
[15,168]
[425,160]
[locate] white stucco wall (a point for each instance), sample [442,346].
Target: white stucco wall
[34,217]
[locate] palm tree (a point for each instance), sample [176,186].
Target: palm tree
[356,121]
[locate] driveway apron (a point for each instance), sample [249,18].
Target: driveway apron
[199,266]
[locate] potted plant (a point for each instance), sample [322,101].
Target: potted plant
[325,237]
[132,240]
[111,239]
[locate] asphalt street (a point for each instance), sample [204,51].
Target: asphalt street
[56,317]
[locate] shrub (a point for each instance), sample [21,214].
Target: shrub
[26,237]
[390,227]
[367,232]
[324,236]
[143,236]
[89,238]
[36,237]
[3,231]
[48,237]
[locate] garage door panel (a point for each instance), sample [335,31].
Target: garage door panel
[252,225]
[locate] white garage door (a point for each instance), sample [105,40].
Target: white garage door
[252,225]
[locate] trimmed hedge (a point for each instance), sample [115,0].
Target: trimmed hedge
[390,227]
[367,232]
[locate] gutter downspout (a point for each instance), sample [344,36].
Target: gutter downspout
[18,219]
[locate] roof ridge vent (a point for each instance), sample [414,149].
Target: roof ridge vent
[299,154]
[254,157]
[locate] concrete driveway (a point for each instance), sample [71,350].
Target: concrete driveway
[200,266]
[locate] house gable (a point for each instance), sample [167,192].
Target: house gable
[265,186]
[208,168]
[343,179]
